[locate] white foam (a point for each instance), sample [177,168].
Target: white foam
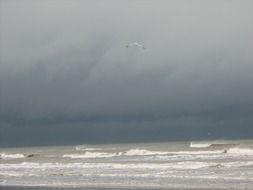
[205,144]
[43,166]
[34,165]
[238,164]
[199,145]
[139,152]
[187,157]
[85,148]
[183,165]
[11,173]
[153,166]
[49,166]
[11,156]
[199,152]
[142,152]
[240,151]
[91,155]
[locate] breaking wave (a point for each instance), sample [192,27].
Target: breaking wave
[139,152]
[11,156]
[240,151]
[91,155]
[85,148]
[199,145]
[211,144]
[143,152]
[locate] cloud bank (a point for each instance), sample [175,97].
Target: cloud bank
[65,73]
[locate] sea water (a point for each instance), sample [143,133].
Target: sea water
[171,165]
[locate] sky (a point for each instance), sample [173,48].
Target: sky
[66,76]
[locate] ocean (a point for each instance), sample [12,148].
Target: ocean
[220,164]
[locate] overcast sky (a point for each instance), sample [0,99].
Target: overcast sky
[67,77]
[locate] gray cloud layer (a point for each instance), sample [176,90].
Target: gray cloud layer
[64,69]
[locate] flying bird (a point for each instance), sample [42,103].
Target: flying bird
[135,44]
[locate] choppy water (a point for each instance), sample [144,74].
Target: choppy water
[216,164]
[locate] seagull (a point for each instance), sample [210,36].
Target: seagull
[135,44]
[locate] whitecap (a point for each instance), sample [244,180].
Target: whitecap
[199,145]
[143,152]
[85,148]
[240,151]
[211,144]
[11,156]
[91,155]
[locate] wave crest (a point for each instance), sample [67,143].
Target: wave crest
[241,151]
[85,148]
[11,156]
[91,155]
[199,145]
[142,152]
[211,144]
[145,152]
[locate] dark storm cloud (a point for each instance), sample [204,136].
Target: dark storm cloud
[64,67]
